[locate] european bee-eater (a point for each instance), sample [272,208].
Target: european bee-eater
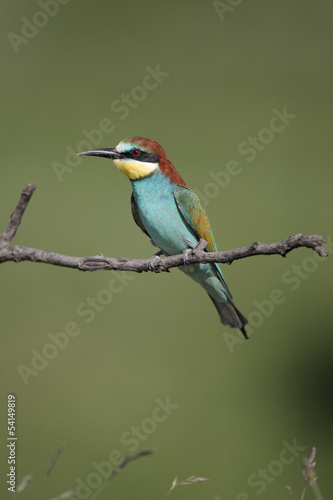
[165,208]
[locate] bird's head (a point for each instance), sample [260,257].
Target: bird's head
[137,158]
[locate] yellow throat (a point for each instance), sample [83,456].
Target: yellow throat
[135,170]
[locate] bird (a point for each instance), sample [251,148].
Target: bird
[172,216]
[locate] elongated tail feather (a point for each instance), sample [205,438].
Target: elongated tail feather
[230,315]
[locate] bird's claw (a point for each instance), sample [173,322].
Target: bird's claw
[186,254]
[153,262]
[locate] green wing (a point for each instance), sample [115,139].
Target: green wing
[195,215]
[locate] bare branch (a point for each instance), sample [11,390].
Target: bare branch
[101,263]
[16,217]
[54,460]
[120,467]
[126,460]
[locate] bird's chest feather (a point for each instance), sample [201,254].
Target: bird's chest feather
[160,214]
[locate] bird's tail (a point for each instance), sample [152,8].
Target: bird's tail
[230,315]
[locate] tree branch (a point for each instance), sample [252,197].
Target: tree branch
[99,262]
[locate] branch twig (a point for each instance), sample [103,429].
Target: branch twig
[128,459]
[16,217]
[99,262]
[120,467]
[54,460]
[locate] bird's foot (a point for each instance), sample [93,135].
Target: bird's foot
[153,262]
[186,254]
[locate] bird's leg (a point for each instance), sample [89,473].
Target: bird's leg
[186,254]
[188,251]
[153,261]
[192,248]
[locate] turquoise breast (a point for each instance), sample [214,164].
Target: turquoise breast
[160,214]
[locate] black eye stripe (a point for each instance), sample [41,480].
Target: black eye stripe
[144,156]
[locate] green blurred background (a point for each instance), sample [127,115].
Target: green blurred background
[159,338]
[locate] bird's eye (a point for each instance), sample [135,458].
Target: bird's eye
[136,152]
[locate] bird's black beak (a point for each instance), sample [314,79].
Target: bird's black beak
[103,152]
